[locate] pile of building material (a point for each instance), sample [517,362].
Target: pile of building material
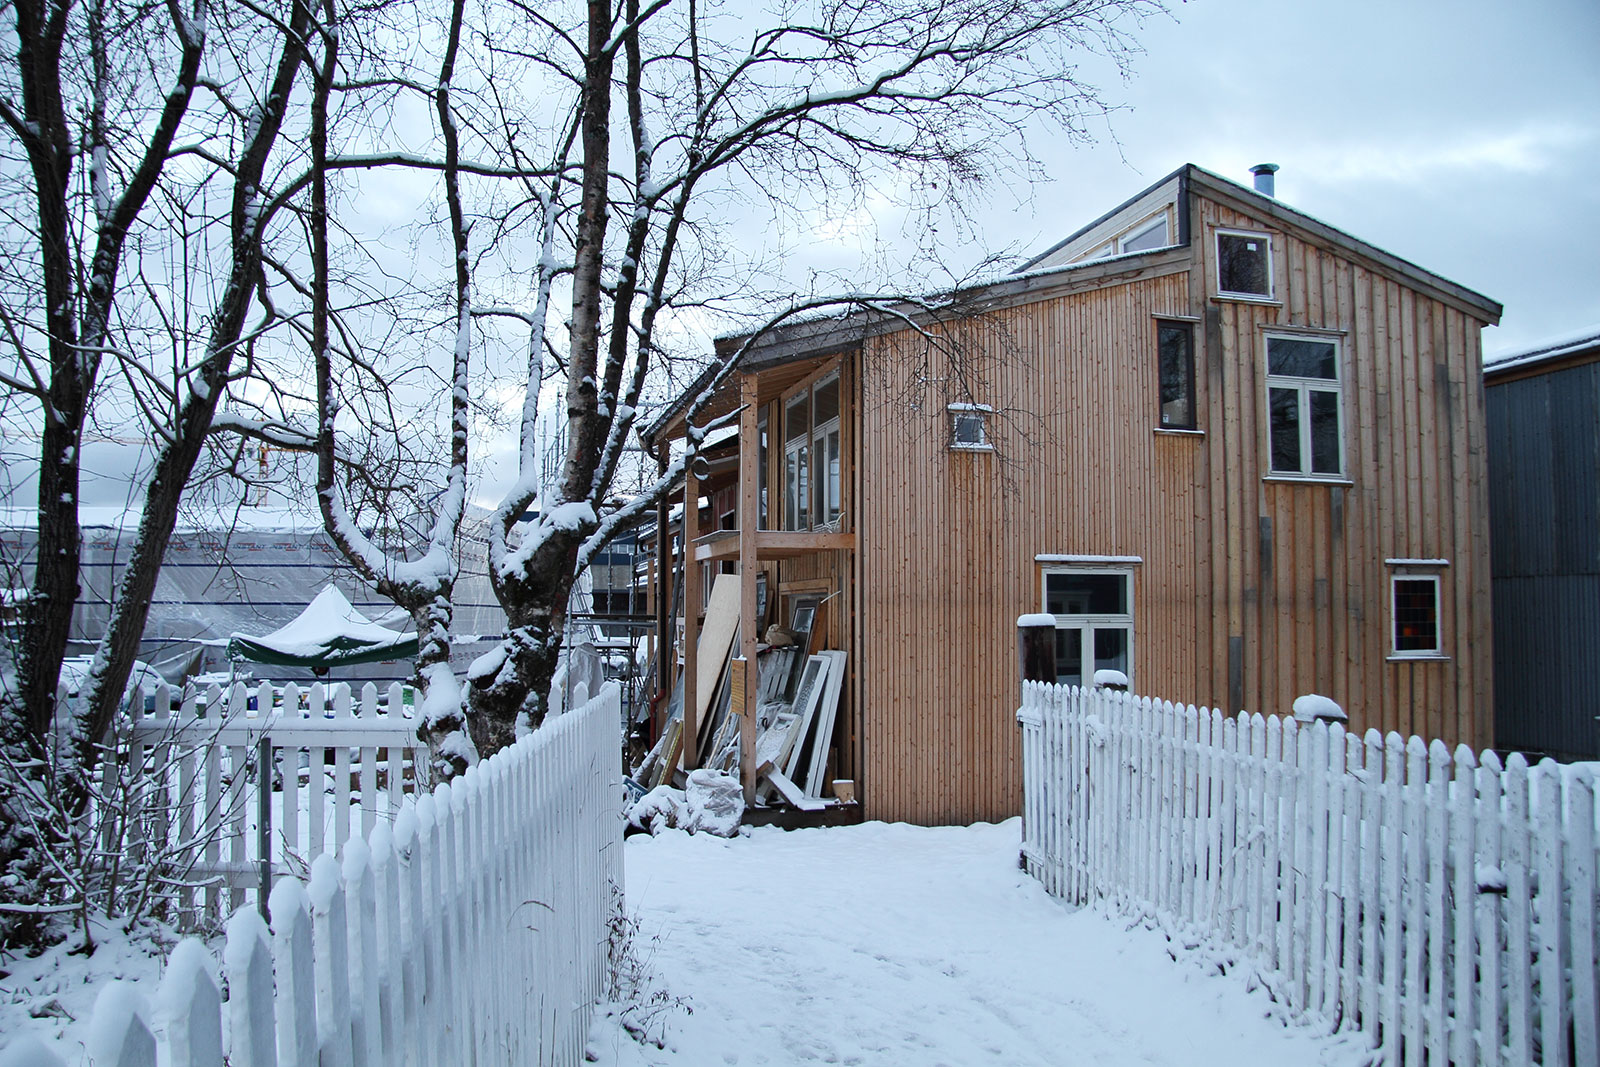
[797,703]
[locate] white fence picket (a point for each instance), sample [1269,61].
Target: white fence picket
[1443,905]
[197,786]
[194,1004]
[473,930]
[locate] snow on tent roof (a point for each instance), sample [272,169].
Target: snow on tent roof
[328,633]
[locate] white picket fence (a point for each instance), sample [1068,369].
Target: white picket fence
[475,931]
[339,766]
[1442,903]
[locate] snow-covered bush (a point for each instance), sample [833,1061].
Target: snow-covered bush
[119,857]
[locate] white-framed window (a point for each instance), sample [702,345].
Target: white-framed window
[1244,264]
[813,459]
[969,427]
[1093,609]
[1147,235]
[1415,609]
[1305,421]
[797,462]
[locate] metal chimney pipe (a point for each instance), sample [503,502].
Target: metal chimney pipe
[1264,181]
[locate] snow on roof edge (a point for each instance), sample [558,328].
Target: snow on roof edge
[1552,348]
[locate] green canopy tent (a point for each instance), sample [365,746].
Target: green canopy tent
[330,632]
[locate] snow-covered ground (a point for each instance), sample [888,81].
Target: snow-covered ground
[898,945]
[50,997]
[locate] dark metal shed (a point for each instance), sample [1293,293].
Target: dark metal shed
[1543,408]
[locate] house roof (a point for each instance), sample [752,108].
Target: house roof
[825,332]
[1571,346]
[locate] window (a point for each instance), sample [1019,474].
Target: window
[797,463]
[969,427]
[762,520]
[1152,234]
[1244,264]
[1175,356]
[812,457]
[1094,621]
[1303,418]
[1416,616]
[825,419]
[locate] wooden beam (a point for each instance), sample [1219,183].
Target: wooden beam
[771,544]
[666,658]
[749,455]
[691,619]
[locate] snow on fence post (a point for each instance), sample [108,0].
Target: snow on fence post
[248,960]
[119,1035]
[1441,904]
[191,1007]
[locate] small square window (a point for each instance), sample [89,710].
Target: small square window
[969,426]
[1175,356]
[1416,615]
[1244,264]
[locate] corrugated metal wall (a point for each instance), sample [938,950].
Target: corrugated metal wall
[1544,501]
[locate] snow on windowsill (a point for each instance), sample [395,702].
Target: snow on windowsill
[956,446]
[1306,479]
[1177,431]
[1413,657]
[1246,298]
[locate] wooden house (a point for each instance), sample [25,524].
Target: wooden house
[1544,511]
[1237,454]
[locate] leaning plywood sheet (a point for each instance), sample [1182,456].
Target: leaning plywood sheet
[822,740]
[813,680]
[716,640]
[716,711]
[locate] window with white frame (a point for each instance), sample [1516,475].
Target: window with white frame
[1304,422]
[1414,611]
[1093,609]
[1244,264]
[812,457]
[1148,235]
[969,427]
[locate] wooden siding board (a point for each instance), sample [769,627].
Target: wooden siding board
[1089,476]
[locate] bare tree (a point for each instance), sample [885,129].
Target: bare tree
[116,84]
[715,108]
[422,585]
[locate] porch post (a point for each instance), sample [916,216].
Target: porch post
[749,482]
[691,620]
[661,589]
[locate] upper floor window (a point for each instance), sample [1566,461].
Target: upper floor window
[1244,264]
[812,457]
[1175,356]
[1303,407]
[969,426]
[1152,234]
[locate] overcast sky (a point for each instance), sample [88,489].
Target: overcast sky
[1463,135]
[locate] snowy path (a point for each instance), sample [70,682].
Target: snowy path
[897,945]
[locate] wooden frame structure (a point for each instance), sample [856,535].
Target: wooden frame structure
[1246,586]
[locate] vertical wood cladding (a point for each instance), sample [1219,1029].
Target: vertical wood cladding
[1295,571]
